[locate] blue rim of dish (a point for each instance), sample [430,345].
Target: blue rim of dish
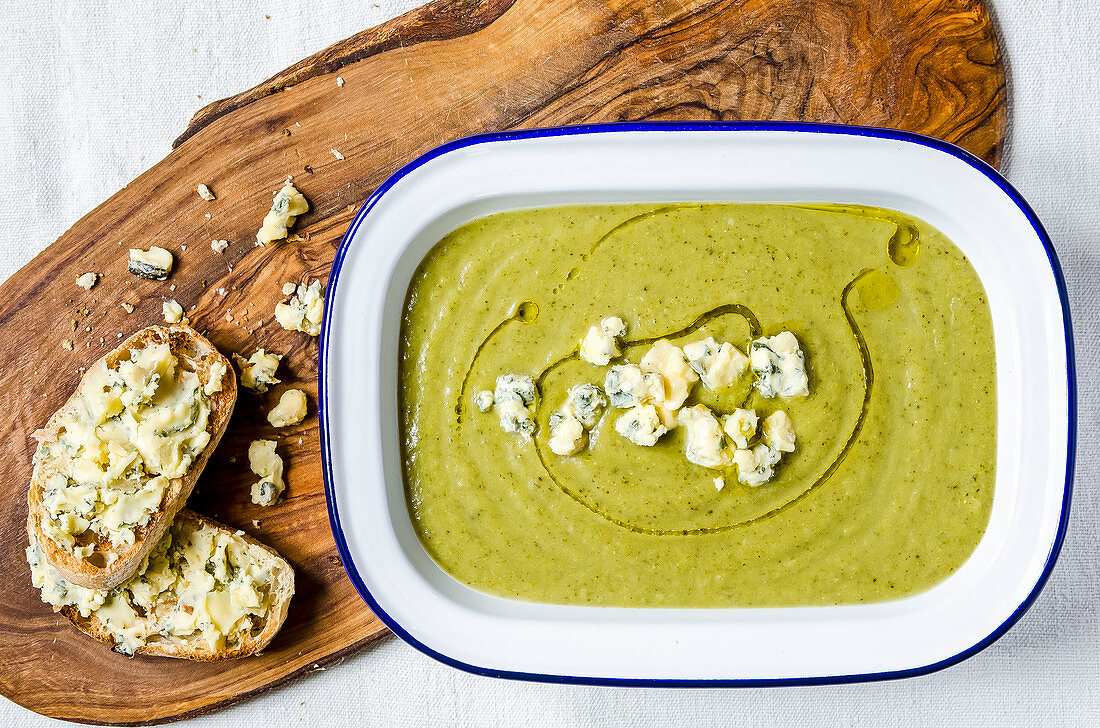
[732,126]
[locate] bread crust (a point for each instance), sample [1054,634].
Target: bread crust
[195,352]
[194,649]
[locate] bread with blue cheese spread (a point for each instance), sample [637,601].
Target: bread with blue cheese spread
[118,460]
[204,592]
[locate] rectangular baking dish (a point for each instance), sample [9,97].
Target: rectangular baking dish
[721,162]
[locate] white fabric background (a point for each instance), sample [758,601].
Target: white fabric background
[89,98]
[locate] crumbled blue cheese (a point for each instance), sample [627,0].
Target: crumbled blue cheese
[779,431]
[704,441]
[258,371]
[288,204]
[111,455]
[740,427]
[304,311]
[567,434]
[668,360]
[641,425]
[483,400]
[718,365]
[173,313]
[513,386]
[266,463]
[205,193]
[584,403]
[627,386]
[514,394]
[515,417]
[600,344]
[569,425]
[290,410]
[153,264]
[779,366]
[87,280]
[756,466]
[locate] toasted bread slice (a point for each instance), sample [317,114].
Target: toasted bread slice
[149,637]
[108,566]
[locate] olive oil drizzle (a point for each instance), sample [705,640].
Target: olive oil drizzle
[902,248]
[524,311]
[630,222]
[527,311]
[755,329]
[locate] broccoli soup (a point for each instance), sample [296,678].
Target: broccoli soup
[698,405]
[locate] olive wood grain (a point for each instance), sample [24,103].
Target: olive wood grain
[449,69]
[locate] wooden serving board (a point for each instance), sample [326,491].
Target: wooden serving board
[451,68]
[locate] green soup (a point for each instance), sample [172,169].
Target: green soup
[891,484]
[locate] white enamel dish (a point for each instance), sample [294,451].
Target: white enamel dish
[963,197]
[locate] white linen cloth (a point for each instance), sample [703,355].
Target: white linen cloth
[92,94]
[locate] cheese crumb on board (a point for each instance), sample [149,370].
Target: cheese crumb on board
[219,246]
[87,280]
[127,307]
[340,81]
[304,311]
[258,371]
[290,410]
[288,204]
[266,463]
[337,154]
[289,288]
[173,313]
[153,264]
[205,193]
